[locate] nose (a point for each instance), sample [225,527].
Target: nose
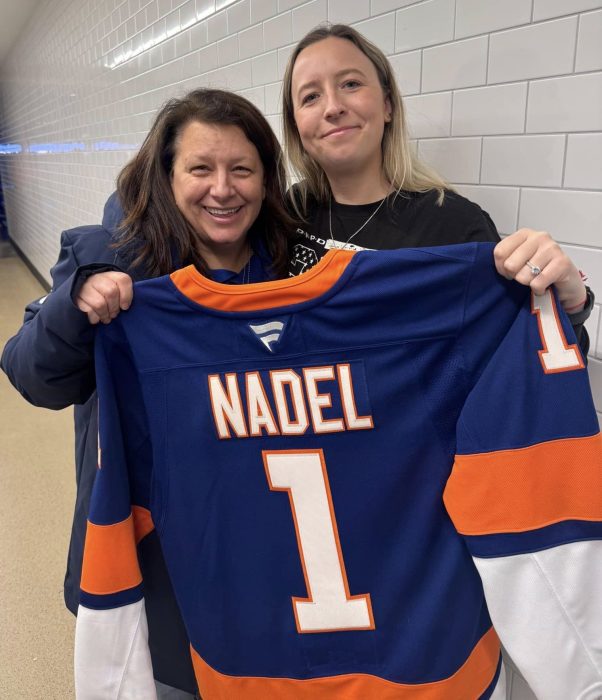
[221,185]
[333,106]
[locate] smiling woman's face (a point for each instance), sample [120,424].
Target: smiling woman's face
[218,184]
[339,106]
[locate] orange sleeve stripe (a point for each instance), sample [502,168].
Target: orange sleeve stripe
[110,560]
[265,295]
[143,522]
[528,488]
[470,681]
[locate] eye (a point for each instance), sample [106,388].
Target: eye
[200,169]
[351,83]
[310,97]
[242,170]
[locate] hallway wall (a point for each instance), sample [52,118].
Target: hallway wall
[505,99]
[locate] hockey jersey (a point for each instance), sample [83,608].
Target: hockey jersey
[362,478]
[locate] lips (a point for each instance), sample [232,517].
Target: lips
[339,130]
[222,213]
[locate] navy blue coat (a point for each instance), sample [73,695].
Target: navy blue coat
[51,363]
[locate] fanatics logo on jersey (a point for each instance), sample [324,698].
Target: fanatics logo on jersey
[268,333]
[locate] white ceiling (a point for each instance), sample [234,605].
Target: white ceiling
[14,15]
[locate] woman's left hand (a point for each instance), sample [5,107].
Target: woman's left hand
[524,252]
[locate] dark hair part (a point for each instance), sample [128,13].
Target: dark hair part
[154,228]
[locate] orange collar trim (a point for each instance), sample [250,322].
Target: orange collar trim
[263,295]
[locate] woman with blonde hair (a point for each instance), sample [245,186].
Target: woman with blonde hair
[362,185]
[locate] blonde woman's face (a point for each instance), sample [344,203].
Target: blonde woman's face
[339,106]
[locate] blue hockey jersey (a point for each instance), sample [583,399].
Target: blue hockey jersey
[361,479]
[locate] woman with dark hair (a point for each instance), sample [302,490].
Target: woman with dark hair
[206,187]
[362,184]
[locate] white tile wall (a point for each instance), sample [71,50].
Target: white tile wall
[589,42]
[482,16]
[505,98]
[584,161]
[523,160]
[566,104]
[499,109]
[429,115]
[457,65]
[534,51]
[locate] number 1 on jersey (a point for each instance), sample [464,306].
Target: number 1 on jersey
[557,355]
[329,606]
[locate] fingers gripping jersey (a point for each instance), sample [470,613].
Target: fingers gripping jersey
[352,473]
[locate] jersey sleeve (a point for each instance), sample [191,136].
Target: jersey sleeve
[526,494]
[112,658]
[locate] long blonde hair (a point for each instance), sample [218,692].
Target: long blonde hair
[400,164]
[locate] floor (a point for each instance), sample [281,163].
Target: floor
[36,502]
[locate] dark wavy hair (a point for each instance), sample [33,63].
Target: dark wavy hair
[155,233]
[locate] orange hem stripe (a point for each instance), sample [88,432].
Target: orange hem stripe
[110,561]
[264,295]
[470,681]
[527,488]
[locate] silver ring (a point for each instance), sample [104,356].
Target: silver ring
[535,269]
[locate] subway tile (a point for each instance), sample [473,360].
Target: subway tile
[593,326]
[425,24]
[183,43]
[457,65]
[568,215]
[532,52]
[204,8]
[501,203]
[239,16]
[263,9]
[484,16]
[407,68]
[265,68]
[308,16]
[523,160]
[273,98]
[278,31]
[208,58]
[594,370]
[589,260]
[188,14]
[283,57]
[227,51]
[250,41]
[380,6]
[255,95]
[217,26]
[544,9]
[348,12]
[572,103]
[198,36]
[380,31]
[589,42]
[284,5]
[457,160]
[583,169]
[429,115]
[498,109]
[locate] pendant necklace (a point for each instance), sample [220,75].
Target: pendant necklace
[355,232]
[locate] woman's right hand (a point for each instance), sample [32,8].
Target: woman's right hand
[103,295]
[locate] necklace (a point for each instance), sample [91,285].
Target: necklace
[355,232]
